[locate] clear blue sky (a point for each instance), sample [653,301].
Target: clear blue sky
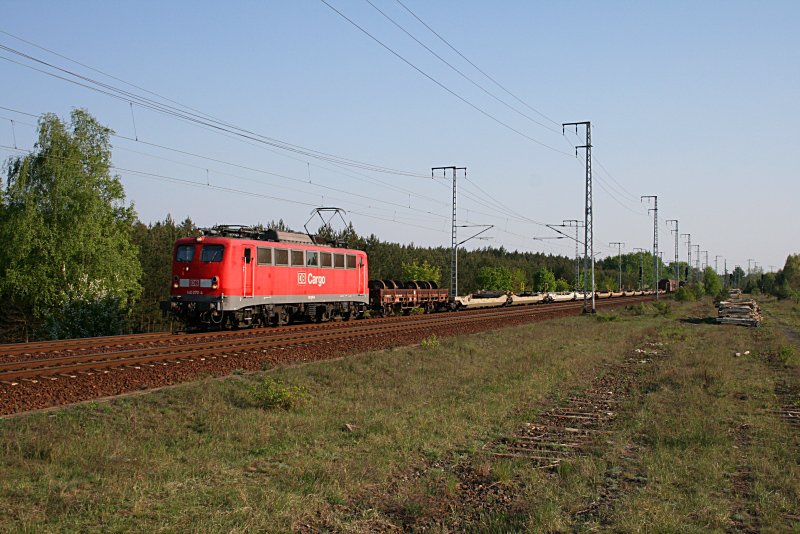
[695,102]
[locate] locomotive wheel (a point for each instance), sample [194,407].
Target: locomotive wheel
[281,318]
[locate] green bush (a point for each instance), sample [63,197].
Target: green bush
[659,307]
[562,285]
[787,354]
[637,309]
[662,308]
[722,294]
[431,342]
[711,281]
[86,318]
[269,394]
[684,294]
[697,290]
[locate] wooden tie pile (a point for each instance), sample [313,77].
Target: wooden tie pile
[738,311]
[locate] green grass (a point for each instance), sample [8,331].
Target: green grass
[376,440]
[783,312]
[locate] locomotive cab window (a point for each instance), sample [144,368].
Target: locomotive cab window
[338,261]
[312,258]
[185,253]
[351,261]
[297,258]
[281,256]
[264,255]
[325,259]
[247,255]
[212,253]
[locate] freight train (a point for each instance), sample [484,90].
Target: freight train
[234,276]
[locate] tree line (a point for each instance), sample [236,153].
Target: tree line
[77,262]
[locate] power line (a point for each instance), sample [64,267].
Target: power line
[298,180]
[605,187]
[62,56]
[603,184]
[231,190]
[146,103]
[206,185]
[621,190]
[498,208]
[440,84]
[454,49]
[505,205]
[129,97]
[244,178]
[624,191]
[458,71]
[253,169]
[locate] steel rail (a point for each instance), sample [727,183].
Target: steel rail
[168,339]
[85,344]
[281,339]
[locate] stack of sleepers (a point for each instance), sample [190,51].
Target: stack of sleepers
[742,312]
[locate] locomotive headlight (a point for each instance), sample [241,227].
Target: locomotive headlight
[175,282]
[214,283]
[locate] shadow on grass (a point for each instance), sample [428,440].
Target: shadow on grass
[699,320]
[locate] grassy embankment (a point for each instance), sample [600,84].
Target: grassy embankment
[785,311]
[380,440]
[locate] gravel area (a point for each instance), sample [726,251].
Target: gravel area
[33,394]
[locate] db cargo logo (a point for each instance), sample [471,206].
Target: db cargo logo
[310,279]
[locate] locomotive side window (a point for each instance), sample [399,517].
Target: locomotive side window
[264,255]
[351,261]
[185,253]
[297,258]
[281,256]
[325,259]
[212,253]
[312,258]
[338,261]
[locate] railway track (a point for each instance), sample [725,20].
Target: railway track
[56,349]
[66,361]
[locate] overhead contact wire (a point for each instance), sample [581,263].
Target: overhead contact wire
[437,82]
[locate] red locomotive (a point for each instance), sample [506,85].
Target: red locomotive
[235,276]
